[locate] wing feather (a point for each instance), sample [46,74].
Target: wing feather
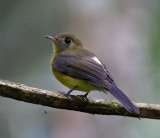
[82,67]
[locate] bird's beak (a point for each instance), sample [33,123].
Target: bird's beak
[53,39]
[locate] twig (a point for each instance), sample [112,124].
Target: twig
[54,99]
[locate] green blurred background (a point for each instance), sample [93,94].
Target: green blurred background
[124,34]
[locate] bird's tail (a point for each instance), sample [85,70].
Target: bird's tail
[123,99]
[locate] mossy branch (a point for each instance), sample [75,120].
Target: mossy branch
[54,99]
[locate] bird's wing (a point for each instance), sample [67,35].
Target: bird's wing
[82,65]
[110,78]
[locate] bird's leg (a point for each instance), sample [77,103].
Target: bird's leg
[67,94]
[85,96]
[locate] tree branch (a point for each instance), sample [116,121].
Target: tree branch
[54,99]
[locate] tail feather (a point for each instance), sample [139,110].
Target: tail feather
[123,99]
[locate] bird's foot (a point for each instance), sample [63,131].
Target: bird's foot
[66,95]
[84,97]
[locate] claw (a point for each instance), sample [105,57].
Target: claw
[84,97]
[66,95]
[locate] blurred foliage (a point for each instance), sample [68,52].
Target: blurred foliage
[155,48]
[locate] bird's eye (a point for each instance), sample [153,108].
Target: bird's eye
[67,40]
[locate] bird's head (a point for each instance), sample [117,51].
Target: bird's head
[64,41]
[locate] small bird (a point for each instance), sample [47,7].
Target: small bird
[79,69]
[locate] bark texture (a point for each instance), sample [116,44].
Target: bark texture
[56,100]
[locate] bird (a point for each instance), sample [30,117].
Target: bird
[79,69]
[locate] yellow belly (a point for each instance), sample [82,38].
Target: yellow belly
[71,82]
